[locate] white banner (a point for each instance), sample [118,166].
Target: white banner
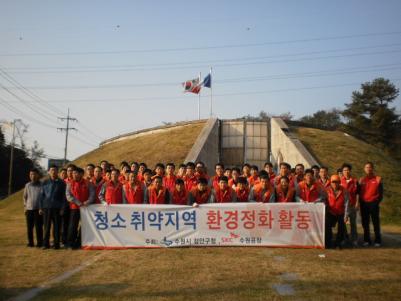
[291,225]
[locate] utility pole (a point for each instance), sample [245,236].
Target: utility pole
[67,129]
[10,175]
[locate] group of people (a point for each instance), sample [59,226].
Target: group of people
[55,202]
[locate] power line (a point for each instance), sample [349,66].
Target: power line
[317,39]
[107,67]
[24,115]
[29,105]
[329,72]
[223,65]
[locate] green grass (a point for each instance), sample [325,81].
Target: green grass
[333,148]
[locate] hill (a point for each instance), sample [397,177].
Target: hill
[168,144]
[333,148]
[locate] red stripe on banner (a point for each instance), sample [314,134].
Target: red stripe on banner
[94,248]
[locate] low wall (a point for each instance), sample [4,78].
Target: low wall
[206,147]
[286,147]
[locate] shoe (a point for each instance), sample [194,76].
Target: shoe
[355,244]
[366,244]
[377,245]
[56,247]
[30,245]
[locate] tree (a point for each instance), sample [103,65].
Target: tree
[369,116]
[36,153]
[322,119]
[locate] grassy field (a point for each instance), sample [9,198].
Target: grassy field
[196,273]
[208,273]
[171,145]
[333,148]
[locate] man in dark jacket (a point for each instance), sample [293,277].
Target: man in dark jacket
[52,207]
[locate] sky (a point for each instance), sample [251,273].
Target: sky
[118,65]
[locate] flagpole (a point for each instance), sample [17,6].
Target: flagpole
[199,94]
[211,94]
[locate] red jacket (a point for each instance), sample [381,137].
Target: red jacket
[337,203]
[215,182]
[198,197]
[113,194]
[158,197]
[179,198]
[80,191]
[370,189]
[169,182]
[259,196]
[223,196]
[252,180]
[352,187]
[325,184]
[242,195]
[287,197]
[133,195]
[312,194]
[190,182]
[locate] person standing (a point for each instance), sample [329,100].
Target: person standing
[351,184]
[336,211]
[52,205]
[79,192]
[32,195]
[370,197]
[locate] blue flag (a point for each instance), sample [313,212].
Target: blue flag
[207,81]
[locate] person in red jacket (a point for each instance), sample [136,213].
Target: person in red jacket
[284,192]
[190,178]
[179,196]
[246,170]
[309,190]
[285,171]
[336,211]
[147,178]
[79,192]
[299,173]
[182,169]
[324,179]
[223,193]
[262,192]
[370,196]
[219,172]
[269,169]
[235,174]
[351,184]
[159,171]
[134,191]
[253,179]
[112,191]
[157,194]
[200,170]
[89,171]
[169,178]
[97,181]
[200,194]
[242,190]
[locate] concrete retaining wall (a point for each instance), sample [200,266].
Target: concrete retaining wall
[286,147]
[206,147]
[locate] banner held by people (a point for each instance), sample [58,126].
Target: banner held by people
[292,225]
